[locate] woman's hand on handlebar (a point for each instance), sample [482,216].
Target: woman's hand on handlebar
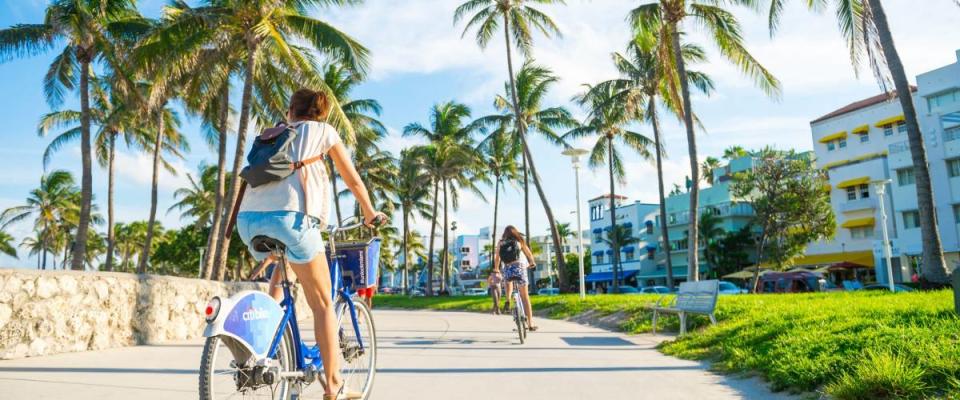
[375,220]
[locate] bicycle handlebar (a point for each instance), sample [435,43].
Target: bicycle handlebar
[343,228]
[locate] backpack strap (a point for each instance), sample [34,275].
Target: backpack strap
[236,209]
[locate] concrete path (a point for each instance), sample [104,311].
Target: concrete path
[423,356]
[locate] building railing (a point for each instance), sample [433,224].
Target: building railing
[720,210]
[899,147]
[860,204]
[951,134]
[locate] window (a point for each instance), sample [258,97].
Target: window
[465,263]
[863,232]
[865,137]
[864,191]
[951,134]
[651,253]
[596,212]
[902,127]
[905,176]
[842,143]
[681,244]
[888,130]
[464,250]
[599,258]
[629,255]
[943,99]
[649,226]
[851,193]
[953,167]
[911,219]
[831,146]
[956,213]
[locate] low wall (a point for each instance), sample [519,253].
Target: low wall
[49,312]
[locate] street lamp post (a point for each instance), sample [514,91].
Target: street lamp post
[574,155]
[887,253]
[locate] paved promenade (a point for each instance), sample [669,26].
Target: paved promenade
[424,356]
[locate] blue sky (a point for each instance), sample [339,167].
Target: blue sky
[419,59]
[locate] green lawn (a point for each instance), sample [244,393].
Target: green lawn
[866,345]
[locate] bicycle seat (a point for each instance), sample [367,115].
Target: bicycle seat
[266,244]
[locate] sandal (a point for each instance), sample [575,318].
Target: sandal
[344,393]
[533,328]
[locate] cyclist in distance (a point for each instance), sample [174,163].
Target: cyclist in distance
[294,211]
[516,257]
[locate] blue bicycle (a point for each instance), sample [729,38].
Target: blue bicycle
[254,349]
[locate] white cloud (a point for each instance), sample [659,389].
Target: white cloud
[137,169]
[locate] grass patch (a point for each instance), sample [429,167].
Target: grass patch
[861,345]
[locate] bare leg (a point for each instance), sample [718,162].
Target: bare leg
[276,291]
[495,293]
[315,279]
[527,307]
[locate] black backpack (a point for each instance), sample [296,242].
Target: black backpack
[509,251]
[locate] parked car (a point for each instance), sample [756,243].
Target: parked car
[655,290]
[475,292]
[897,288]
[627,290]
[549,291]
[730,288]
[792,282]
[417,293]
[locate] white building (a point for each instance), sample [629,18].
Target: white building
[639,262]
[545,257]
[864,143]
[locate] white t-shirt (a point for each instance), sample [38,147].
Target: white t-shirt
[313,138]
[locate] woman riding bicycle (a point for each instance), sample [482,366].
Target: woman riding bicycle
[516,257]
[294,211]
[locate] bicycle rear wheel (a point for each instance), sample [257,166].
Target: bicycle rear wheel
[221,378]
[358,366]
[518,317]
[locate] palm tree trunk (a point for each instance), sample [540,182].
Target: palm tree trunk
[693,267]
[86,181]
[528,160]
[157,146]
[433,229]
[664,231]
[406,250]
[496,207]
[224,245]
[45,244]
[331,171]
[126,259]
[111,236]
[614,235]
[213,239]
[934,266]
[445,266]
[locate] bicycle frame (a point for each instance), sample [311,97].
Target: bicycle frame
[290,316]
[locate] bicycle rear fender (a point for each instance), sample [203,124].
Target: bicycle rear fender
[251,319]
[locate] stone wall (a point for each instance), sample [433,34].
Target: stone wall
[49,312]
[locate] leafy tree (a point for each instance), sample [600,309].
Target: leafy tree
[730,252]
[710,233]
[6,245]
[864,26]
[199,200]
[710,164]
[663,19]
[516,16]
[55,201]
[790,205]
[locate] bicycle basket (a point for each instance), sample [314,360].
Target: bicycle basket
[358,261]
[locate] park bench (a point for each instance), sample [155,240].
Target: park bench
[693,298]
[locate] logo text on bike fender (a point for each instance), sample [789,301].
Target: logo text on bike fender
[254,314]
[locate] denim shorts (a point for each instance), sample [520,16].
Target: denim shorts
[516,271]
[298,232]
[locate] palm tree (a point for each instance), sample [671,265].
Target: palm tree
[517,17]
[6,247]
[199,200]
[607,119]
[411,194]
[450,161]
[710,231]
[734,152]
[266,36]
[50,204]
[90,31]
[619,235]
[116,119]
[663,19]
[565,232]
[864,27]
[500,156]
[710,164]
[166,138]
[642,82]
[35,246]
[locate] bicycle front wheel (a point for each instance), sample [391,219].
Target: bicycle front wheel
[222,377]
[358,364]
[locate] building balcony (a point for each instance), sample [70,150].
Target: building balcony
[857,205]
